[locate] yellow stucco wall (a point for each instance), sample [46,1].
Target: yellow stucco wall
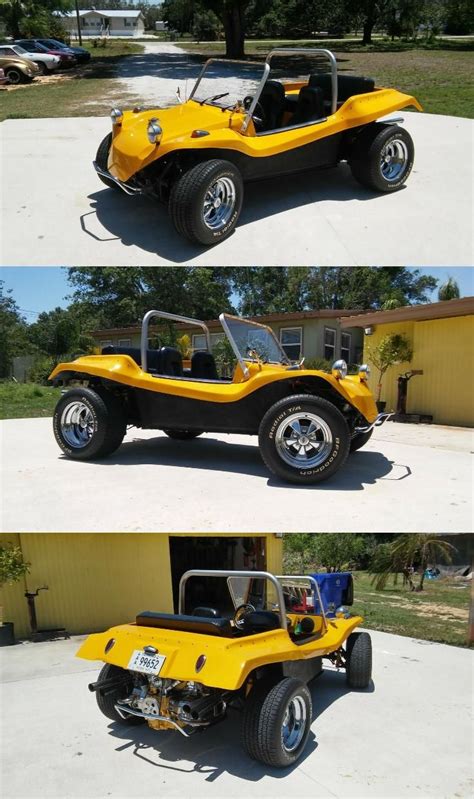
[442,348]
[97,579]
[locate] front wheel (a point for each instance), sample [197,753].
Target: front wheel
[383,157]
[42,67]
[276,722]
[88,424]
[16,76]
[205,203]
[304,439]
[183,435]
[358,660]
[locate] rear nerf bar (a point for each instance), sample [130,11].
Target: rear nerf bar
[124,711]
[381,418]
[124,186]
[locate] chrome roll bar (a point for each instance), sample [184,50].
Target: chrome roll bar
[170,317]
[251,575]
[307,578]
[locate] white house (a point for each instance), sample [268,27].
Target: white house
[95,22]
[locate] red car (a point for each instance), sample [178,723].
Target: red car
[33,46]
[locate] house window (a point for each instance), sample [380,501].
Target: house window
[106,343]
[126,22]
[291,339]
[329,344]
[346,347]
[125,342]
[200,343]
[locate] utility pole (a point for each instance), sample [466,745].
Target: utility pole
[79,34]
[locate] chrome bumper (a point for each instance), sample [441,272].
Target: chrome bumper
[381,418]
[124,186]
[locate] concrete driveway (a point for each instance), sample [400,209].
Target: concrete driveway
[57,212]
[408,735]
[407,478]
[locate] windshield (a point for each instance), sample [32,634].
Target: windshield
[233,80]
[19,50]
[254,342]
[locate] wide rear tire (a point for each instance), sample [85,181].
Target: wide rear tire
[89,424]
[383,157]
[106,702]
[359,660]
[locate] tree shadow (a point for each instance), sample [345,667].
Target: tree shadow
[217,750]
[210,454]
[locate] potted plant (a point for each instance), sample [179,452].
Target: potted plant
[391,349]
[12,568]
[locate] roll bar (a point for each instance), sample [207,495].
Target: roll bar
[251,575]
[307,578]
[170,317]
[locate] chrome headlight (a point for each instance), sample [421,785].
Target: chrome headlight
[116,115]
[153,131]
[339,369]
[364,371]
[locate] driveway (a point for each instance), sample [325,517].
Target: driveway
[56,211]
[408,735]
[408,478]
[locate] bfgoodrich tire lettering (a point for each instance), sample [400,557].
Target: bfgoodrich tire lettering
[188,195]
[369,148]
[107,423]
[336,446]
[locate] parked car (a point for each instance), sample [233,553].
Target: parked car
[65,60]
[18,69]
[251,651]
[45,61]
[307,421]
[54,45]
[3,77]
[238,126]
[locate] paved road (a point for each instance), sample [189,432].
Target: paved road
[407,478]
[408,735]
[57,212]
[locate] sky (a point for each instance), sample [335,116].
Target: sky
[42,288]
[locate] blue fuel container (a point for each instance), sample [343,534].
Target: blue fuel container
[336,589]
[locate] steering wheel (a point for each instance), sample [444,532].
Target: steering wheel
[258,116]
[240,614]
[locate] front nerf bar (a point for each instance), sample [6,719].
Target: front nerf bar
[124,186]
[381,418]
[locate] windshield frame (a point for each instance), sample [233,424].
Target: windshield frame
[227,62]
[240,358]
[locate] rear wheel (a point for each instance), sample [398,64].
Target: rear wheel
[205,203]
[183,435]
[276,722]
[383,157]
[42,67]
[304,439]
[107,701]
[359,440]
[358,660]
[88,423]
[102,158]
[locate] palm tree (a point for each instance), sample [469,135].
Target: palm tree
[401,556]
[449,290]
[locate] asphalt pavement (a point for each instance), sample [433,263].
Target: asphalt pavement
[407,478]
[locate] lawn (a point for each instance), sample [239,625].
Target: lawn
[85,91]
[25,400]
[438,613]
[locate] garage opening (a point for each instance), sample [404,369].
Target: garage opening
[190,552]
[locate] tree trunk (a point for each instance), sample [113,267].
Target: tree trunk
[233,20]
[369,23]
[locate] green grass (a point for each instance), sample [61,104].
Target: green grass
[438,613]
[26,400]
[86,91]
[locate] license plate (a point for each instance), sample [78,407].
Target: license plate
[147,664]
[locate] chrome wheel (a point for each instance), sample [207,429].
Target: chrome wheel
[219,203]
[393,160]
[294,724]
[303,440]
[77,424]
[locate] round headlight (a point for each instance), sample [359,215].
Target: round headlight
[364,371]
[339,369]
[154,131]
[116,115]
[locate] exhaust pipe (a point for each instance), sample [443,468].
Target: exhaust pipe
[107,685]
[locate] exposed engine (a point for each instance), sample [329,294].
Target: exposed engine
[184,703]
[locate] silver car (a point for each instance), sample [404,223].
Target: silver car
[46,62]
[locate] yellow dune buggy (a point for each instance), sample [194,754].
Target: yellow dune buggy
[307,421]
[252,652]
[240,124]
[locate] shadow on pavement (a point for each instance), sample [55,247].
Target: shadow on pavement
[218,750]
[360,469]
[144,223]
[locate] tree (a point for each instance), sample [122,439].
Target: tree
[336,551]
[410,551]
[392,348]
[449,290]
[205,26]
[232,15]
[178,14]
[58,333]
[12,568]
[13,331]
[33,17]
